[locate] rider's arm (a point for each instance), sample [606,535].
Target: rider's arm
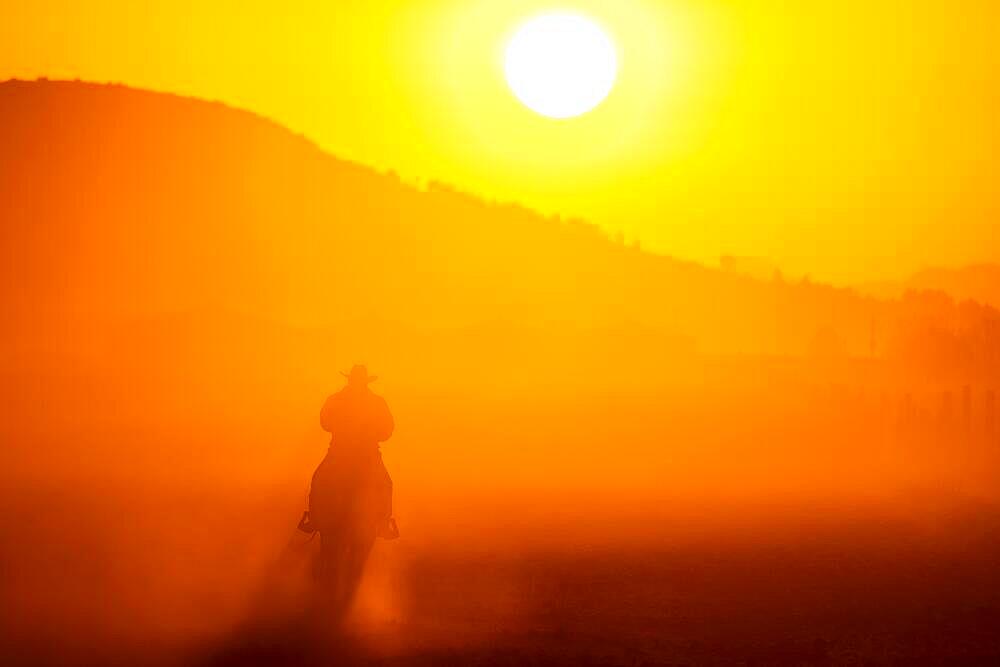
[384,424]
[326,415]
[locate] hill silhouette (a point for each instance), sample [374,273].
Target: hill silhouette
[980,282]
[977,282]
[126,202]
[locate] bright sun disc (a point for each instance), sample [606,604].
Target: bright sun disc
[560,65]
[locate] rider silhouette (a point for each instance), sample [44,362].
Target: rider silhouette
[357,420]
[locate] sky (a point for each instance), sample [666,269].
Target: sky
[851,141]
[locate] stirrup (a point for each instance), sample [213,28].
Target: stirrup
[388,530]
[305,524]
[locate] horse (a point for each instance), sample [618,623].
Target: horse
[345,509]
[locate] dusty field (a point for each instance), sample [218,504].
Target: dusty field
[818,586]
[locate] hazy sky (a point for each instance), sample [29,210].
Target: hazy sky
[851,140]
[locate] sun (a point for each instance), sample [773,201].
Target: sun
[560,65]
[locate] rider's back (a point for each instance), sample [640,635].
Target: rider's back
[356,417]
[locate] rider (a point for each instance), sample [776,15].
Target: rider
[357,420]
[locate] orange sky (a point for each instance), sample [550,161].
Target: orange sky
[852,140]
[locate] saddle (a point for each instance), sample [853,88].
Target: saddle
[386,529]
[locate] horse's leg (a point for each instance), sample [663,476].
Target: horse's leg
[357,557]
[319,562]
[340,573]
[329,574]
[331,545]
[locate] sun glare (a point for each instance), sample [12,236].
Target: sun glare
[560,65]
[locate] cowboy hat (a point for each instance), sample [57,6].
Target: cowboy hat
[359,375]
